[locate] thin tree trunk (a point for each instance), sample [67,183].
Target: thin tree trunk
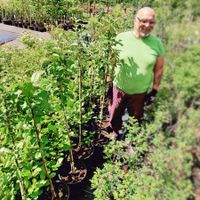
[94,8]
[71,157]
[42,155]
[21,182]
[80,103]
[102,102]
[91,86]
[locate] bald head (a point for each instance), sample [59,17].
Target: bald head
[145,11]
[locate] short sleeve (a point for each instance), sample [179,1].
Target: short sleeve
[160,48]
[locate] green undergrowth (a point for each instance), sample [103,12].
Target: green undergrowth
[18,65]
[161,170]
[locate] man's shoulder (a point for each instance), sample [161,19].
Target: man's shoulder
[124,34]
[156,43]
[154,38]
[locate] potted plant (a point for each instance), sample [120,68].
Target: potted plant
[59,68]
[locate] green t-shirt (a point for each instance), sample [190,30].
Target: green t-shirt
[134,74]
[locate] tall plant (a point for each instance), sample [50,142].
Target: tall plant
[103,39]
[59,69]
[10,132]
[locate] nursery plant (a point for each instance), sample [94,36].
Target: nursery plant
[104,59]
[27,114]
[11,133]
[60,68]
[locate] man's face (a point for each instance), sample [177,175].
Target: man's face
[144,23]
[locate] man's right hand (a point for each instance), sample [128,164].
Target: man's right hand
[108,79]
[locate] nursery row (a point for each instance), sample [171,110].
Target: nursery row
[46,10]
[55,114]
[45,26]
[40,15]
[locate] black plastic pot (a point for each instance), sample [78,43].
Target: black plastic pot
[7,21]
[101,138]
[32,27]
[41,28]
[73,177]
[61,189]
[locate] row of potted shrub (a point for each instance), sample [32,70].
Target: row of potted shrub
[55,116]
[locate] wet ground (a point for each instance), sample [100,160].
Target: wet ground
[6,36]
[10,35]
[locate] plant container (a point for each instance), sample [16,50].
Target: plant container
[61,189]
[84,151]
[75,175]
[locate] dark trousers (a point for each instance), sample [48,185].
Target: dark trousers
[120,101]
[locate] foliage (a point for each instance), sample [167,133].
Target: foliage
[187,73]
[159,164]
[19,64]
[51,90]
[39,11]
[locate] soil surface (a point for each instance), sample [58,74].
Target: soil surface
[83,191]
[83,152]
[61,189]
[74,177]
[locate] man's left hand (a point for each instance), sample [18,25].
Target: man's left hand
[150,97]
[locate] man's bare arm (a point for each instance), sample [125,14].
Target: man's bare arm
[158,72]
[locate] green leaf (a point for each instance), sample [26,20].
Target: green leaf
[37,118]
[38,155]
[24,105]
[41,183]
[66,147]
[5,150]
[26,173]
[59,162]
[52,175]
[27,182]
[36,171]
[18,92]
[36,76]
[70,62]
[33,186]
[28,89]
[42,174]
[52,127]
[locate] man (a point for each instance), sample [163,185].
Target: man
[139,71]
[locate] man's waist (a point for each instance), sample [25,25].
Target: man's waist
[131,90]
